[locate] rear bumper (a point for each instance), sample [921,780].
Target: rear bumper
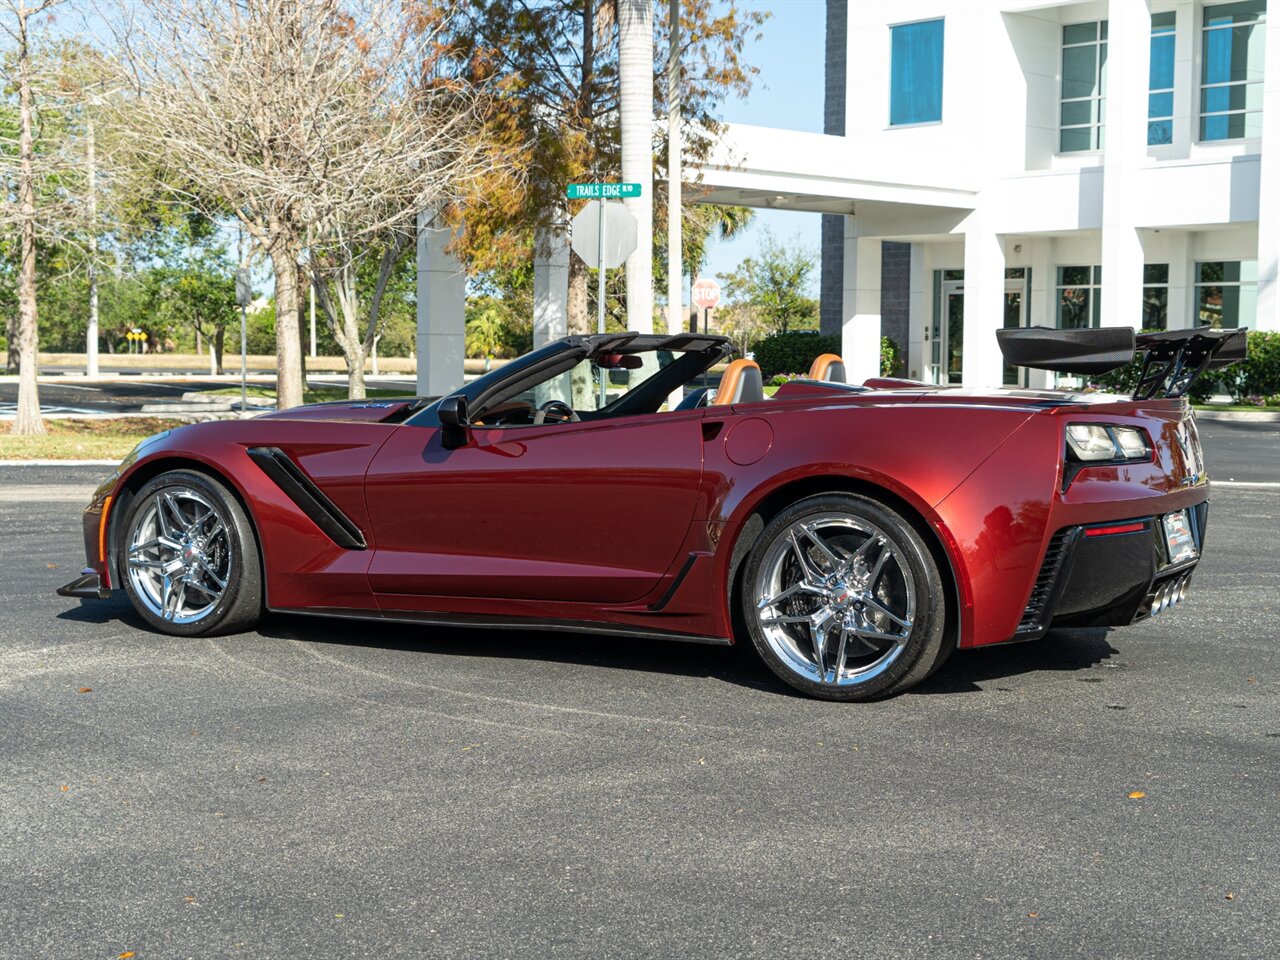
[87,586]
[1109,580]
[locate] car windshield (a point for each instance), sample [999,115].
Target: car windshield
[596,383]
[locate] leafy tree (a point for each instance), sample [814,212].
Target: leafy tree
[775,283]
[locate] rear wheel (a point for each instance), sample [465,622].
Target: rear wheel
[843,599]
[189,557]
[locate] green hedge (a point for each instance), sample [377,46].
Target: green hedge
[1257,376]
[795,351]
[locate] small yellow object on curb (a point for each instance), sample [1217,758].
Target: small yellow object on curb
[1137,795]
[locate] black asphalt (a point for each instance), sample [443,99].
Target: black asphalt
[331,790]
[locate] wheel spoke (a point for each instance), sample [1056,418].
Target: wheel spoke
[802,587]
[841,652]
[194,582]
[881,608]
[881,560]
[211,574]
[821,544]
[819,628]
[868,634]
[144,564]
[811,572]
[770,621]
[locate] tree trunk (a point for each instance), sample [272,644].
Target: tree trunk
[579,319]
[355,373]
[216,352]
[27,416]
[91,335]
[284,261]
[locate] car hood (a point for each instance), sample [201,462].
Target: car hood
[347,411]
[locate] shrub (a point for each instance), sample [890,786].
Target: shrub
[794,351]
[1257,375]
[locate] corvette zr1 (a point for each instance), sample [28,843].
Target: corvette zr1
[855,534]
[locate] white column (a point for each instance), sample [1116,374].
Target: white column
[983,364]
[1181,281]
[635,76]
[915,361]
[442,304]
[550,285]
[1268,317]
[1128,79]
[1044,299]
[1186,112]
[860,340]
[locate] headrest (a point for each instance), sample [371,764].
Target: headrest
[828,367]
[741,383]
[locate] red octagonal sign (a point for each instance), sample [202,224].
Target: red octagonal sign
[706,293]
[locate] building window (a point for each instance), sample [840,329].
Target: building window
[1227,292]
[915,83]
[1084,82]
[1160,85]
[1155,296]
[1079,297]
[1231,70]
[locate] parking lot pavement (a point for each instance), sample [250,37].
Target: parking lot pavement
[329,789]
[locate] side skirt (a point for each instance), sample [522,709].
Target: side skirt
[503,623]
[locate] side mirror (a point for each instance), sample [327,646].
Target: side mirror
[455,428]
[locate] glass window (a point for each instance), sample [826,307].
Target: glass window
[1084,83]
[1231,67]
[1079,297]
[1155,296]
[915,84]
[1227,292]
[1160,85]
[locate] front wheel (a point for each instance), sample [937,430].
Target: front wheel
[189,557]
[843,599]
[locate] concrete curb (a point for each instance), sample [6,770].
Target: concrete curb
[1239,416]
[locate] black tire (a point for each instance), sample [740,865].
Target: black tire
[240,603]
[923,646]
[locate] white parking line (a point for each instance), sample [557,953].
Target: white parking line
[46,493]
[59,463]
[1250,484]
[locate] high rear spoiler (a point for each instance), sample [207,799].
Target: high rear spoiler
[1173,361]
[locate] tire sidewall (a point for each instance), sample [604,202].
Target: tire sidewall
[927,626]
[244,550]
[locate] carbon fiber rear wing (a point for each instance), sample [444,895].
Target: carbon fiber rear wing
[1173,359]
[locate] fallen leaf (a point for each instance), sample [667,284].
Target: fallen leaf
[65,788]
[1033,914]
[338,916]
[126,955]
[1136,795]
[1230,895]
[85,690]
[189,899]
[262,779]
[52,566]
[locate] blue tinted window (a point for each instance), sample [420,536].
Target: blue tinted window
[1231,70]
[915,86]
[1162,62]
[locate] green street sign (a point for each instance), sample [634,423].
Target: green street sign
[603,191]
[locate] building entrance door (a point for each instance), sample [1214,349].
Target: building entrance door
[946,358]
[1015,315]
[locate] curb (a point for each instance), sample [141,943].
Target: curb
[1239,416]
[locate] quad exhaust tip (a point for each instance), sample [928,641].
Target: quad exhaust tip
[1169,593]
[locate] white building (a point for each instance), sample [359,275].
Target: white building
[1068,164]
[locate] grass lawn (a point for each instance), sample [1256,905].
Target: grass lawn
[82,439]
[312,395]
[1236,407]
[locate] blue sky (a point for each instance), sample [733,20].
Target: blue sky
[788,94]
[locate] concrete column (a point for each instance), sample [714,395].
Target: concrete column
[1044,300]
[983,364]
[1268,317]
[915,360]
[830,298]
[1186,111]
[442,305]
[1128,78]
[1181,280]
[550,285]
[860,334]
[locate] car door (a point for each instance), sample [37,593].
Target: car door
[592,512]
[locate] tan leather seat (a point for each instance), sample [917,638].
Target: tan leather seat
[829,367]
[741,383]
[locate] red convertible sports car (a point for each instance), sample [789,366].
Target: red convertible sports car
[856,534]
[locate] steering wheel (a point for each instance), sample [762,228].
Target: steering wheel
[559,408]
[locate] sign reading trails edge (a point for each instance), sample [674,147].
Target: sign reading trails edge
[603,191]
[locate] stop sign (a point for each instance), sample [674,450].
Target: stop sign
[705,293]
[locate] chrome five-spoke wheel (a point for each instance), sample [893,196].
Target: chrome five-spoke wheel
[189,557]
[838,600]
[179,555]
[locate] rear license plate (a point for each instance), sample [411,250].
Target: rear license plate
[1177,534]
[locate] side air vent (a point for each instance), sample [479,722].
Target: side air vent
[311,500]
[1035,616]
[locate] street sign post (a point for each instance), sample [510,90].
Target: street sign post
[603,191]
[604,235]
[705,294]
